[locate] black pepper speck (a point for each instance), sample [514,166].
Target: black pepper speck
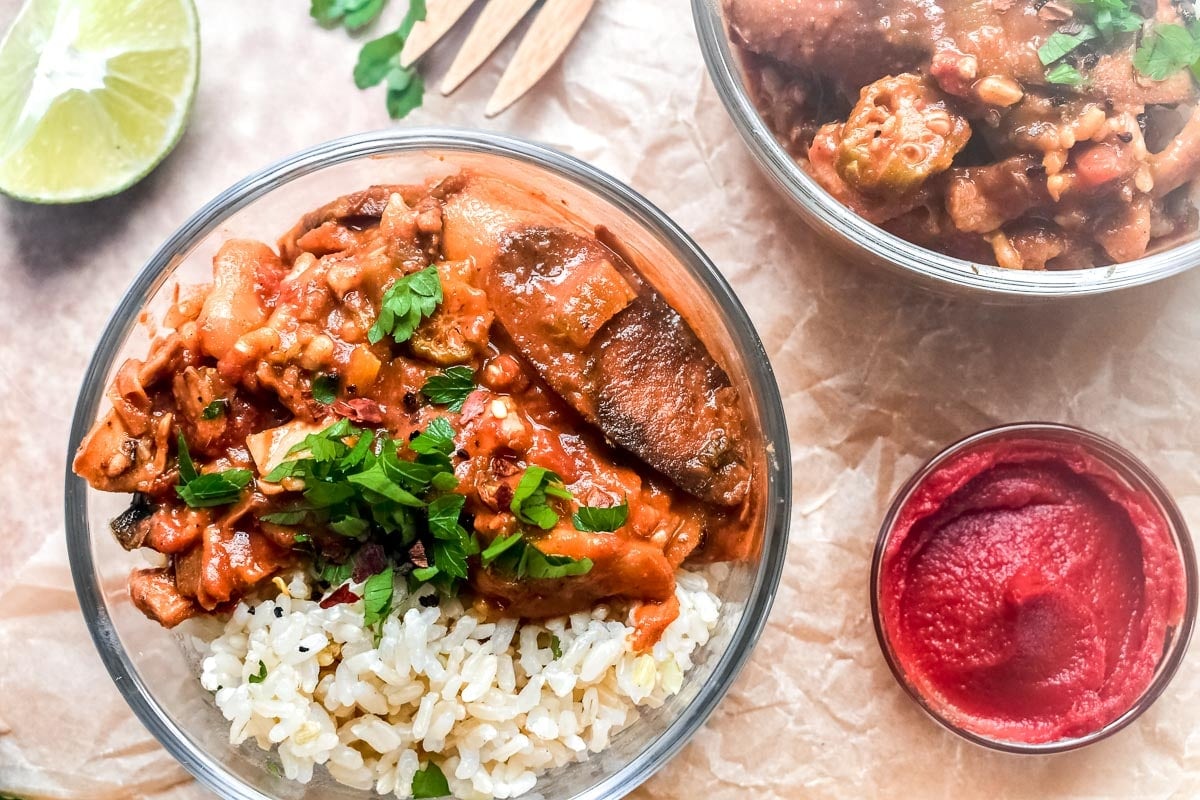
[303,649]
[278,612]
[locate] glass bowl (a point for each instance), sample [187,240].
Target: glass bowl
[1135,475]
[157,671]
[859,239]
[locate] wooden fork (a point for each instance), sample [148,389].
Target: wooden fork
[546,40]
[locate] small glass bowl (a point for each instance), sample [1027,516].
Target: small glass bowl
[1137,477]
[857,238]
[157,670]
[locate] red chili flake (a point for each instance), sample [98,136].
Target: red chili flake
[370,560]
[360,409]
[340,595]
[416,554]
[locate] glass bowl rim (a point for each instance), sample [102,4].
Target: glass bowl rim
[1130,468]
[760,375]
[827,216]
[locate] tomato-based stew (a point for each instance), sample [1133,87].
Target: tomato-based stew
[454,379]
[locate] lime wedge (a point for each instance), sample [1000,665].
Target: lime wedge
[93,94]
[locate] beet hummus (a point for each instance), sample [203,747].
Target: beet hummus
[1027,591]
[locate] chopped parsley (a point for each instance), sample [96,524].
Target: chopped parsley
[1165,50]
[259,676]
[356,484]
[325,389]
[600,518]
[212,488]
[450,388]
[555,646]
[214,409]
[530,502]
[429,782]
[1064,75]
[405,304]
[1060,44]
[377,596]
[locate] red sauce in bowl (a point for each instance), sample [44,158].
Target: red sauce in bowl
[1027,590]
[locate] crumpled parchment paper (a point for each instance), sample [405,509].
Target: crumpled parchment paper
[876,376]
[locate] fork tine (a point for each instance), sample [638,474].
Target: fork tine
[495,22]
[547,39]
[440,18]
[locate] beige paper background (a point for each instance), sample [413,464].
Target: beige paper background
[875,375]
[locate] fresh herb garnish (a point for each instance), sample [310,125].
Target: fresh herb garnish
[214,409]
[377,596]
[1165,50]
[355,483]
[408,301]
[436,440]
[555,646]
[526,560]
[450,388]
[210,489]
[498,546]
[354,14]
[429,782]
[1060,44]
[600,518]
[259,676]
[325,389]
[530,501]
[379,61]
[1064,75]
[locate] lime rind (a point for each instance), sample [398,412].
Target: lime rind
[94,94]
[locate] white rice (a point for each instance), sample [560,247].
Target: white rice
[487,701]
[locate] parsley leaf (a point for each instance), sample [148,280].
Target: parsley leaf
[429,782]
[325,389]
[354,14]
[259,676]
[214,409]
[555,646]
[450,388]
[436,439]
[377,596]
[598,518]
[522,559]
[498,546]
[408,301]
[530,503]
[375,59]
[405,91]
[379,60]
[1165,50]
[1064,74]
[336,574]
[536,564]
[1059,44]
[212,488]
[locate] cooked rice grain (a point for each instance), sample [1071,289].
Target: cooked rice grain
[487,701]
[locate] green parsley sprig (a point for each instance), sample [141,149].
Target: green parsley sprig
[450,388]
[209,489]
[405,304]
[379,59]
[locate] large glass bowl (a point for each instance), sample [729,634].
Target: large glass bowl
[859,239]
[157,671]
